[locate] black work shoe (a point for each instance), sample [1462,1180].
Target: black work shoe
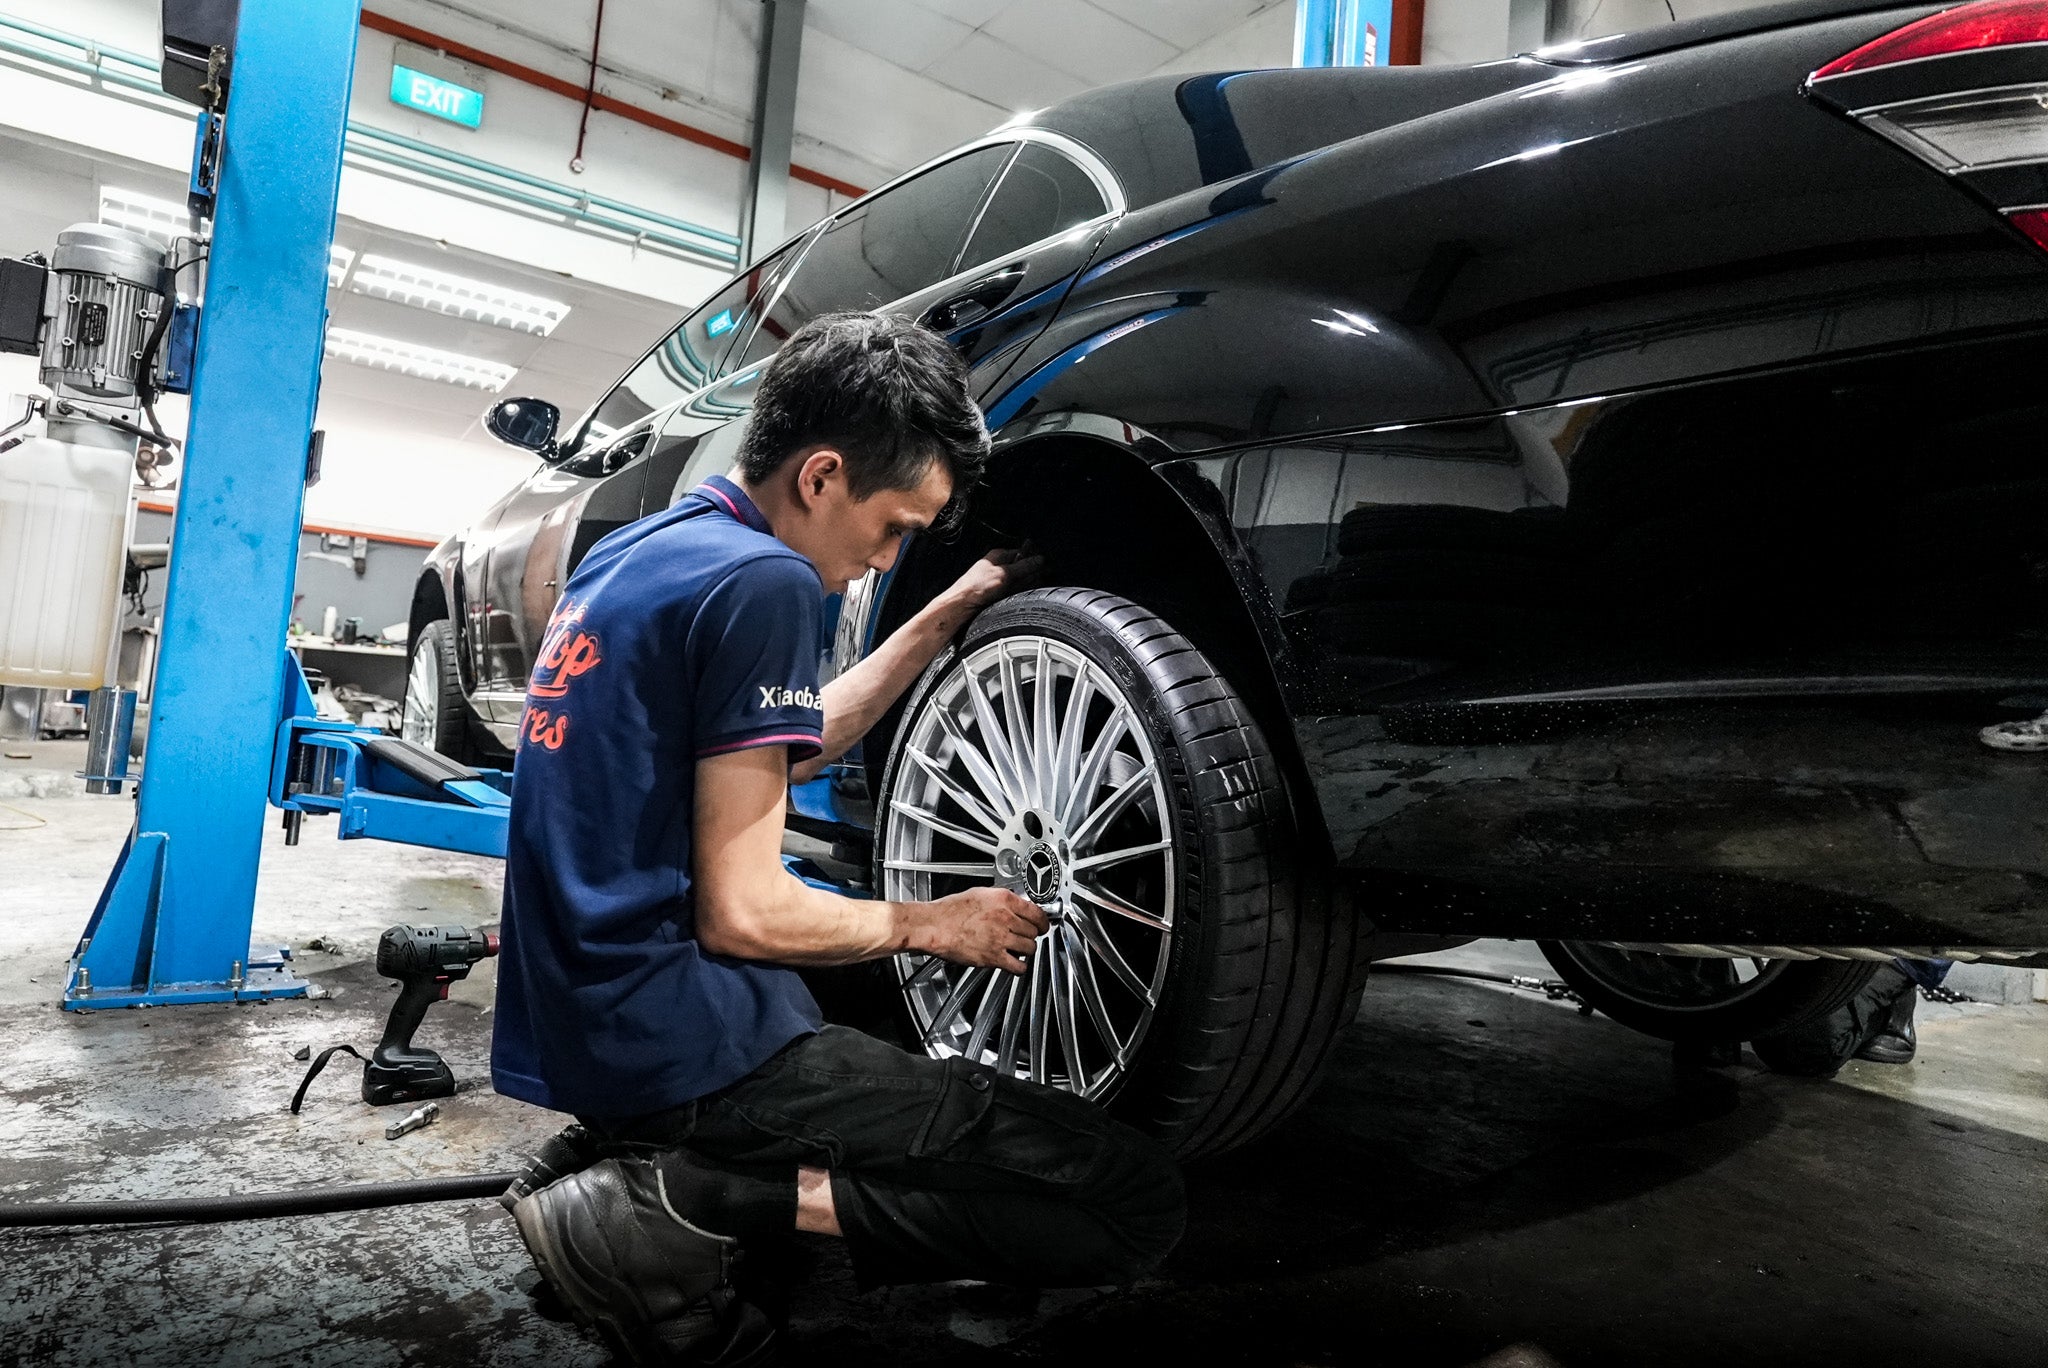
[1895,1042]
[571,1150]
[628,1265]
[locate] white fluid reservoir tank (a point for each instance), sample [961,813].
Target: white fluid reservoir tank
[66,507]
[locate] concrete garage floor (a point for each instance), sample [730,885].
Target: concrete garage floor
[1482,1170]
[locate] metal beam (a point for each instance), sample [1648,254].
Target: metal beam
[764,217]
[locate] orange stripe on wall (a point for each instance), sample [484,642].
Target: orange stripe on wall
[568,91]
[388,538]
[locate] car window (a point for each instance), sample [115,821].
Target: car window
[1042,193]
[894,245]
[687,359]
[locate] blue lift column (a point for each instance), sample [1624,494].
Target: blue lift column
[174,920]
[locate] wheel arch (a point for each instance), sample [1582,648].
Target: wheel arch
[433,598]
[1108,518]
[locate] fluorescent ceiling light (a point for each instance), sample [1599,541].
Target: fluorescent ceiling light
[426,288]
[338,258]
[427,363]
[161,219]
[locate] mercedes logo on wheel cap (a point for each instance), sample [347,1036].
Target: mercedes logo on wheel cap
[1042,873]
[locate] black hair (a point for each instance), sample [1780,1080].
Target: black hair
[890,395]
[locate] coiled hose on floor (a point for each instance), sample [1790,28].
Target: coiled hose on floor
[251,1206]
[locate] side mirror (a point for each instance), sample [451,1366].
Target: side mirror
[526,423]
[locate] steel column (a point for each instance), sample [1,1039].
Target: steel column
[173,924]
[766,212]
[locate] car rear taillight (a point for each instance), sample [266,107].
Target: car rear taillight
[1965,91]
[1966,28]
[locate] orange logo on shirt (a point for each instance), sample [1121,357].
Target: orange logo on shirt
[535,727]
[567,652]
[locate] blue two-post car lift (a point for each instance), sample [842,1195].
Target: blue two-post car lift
[231,729]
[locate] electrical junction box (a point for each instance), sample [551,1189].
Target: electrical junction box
[21,305]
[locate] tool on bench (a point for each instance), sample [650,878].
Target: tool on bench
[425,960]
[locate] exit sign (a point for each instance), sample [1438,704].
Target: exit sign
[432,95]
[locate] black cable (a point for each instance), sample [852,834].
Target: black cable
[251,1206]
[145,381]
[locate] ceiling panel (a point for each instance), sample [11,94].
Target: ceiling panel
[1184,23]
[973,13]
[1075,37]
[992,70]
[902,32]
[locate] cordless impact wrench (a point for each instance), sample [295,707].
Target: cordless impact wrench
[425,960]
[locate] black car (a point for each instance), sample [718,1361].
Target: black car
[1599,497]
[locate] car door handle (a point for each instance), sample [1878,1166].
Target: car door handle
[975,301]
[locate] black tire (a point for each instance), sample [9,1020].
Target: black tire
[1263,969]
[447,725]
[1698,1001]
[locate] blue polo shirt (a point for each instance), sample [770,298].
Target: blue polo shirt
[689,633]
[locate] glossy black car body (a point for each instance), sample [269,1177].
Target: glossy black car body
[1615,479]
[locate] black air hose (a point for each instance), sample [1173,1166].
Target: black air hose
[251,1206]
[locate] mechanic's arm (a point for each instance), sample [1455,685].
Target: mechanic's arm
[856,700]
[750,907]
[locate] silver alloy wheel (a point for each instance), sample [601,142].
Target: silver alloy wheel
[420,722]
[1026,766]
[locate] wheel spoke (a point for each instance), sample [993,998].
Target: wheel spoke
[1110,902]
[986,1015]
[966,869]
[1090,777]
[1015,719]
[1104,949]
[1107,811]
[1043,736]
[1060,980]
[1110,857]
[1013,1025]
[967,801]
[955,1000]
[977,764]
[946,828]
[1040,970]
[996,745]
[1090,991]
[923,972]
[1067,756]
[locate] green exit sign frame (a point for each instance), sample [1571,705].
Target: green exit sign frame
[436,96]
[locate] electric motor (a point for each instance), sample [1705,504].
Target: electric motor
[104,296]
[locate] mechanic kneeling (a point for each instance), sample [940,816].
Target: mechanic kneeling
[650,930]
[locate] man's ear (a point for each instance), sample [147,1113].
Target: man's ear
[818,470]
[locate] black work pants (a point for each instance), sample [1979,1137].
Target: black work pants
[940,1169]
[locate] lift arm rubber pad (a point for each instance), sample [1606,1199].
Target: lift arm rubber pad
[429,767]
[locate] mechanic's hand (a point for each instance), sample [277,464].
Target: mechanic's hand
[986,926]
[997,575]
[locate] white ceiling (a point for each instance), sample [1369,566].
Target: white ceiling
[884,84]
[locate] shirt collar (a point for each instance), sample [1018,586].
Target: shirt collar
[723,494]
